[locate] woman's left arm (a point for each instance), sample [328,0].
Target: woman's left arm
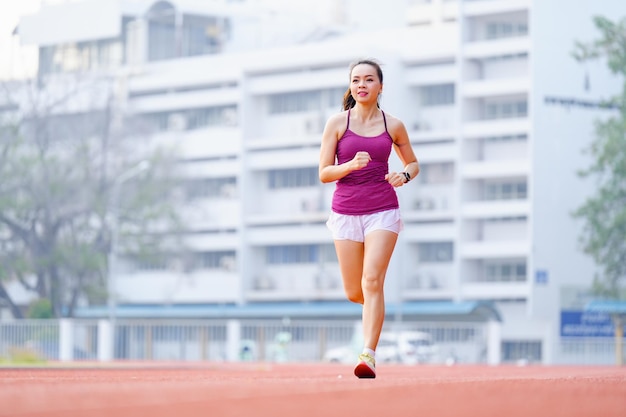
[403,148]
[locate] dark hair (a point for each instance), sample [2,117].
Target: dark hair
[348,100]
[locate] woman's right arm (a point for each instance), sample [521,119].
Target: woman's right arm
[328,170]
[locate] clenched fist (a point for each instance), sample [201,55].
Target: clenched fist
[360,160]
[396,179]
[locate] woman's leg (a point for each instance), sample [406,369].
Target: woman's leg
[350,256]
[378,248]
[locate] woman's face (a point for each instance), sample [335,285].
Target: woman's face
[365,85]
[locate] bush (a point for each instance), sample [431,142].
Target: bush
[22,356]
[40,309]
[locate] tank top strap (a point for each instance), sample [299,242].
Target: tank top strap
[384,121]
[348,122]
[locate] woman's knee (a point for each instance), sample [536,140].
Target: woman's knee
[354,295]
[372,283]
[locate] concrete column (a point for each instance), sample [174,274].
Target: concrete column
[548,348]
[66,340]
[233,340]
[494,342]
[105,340]
[137,43]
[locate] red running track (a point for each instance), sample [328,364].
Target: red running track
[308,390]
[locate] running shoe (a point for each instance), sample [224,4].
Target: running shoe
[366,368]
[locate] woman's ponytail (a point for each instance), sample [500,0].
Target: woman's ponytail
[348,100]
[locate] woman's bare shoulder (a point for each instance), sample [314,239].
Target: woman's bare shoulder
[338,118]
[396,128]
[393,121]
[337,122]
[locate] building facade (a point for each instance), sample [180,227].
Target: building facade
[242,93]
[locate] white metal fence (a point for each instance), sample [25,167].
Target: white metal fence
[589,351]
[257,340]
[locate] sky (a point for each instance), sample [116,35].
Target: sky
[10,11]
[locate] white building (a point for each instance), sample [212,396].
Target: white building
[244,91]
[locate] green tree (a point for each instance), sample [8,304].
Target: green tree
[604,213]
[61,197]
[40,309]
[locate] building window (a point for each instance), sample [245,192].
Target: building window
[224,260]
[507,138]
[437,95]
[505,271]
[435,252]
[300,254]
[211,188]
[498,30]
[66,127]
[506,109]
[203,35]
[294,102]
[190,119]
[305,101]
[505,191]
[174,34]
[507,57]
[521,350]
[334,97]
[152,263]
[161,31]
[436,173]
[81,56]
[455,334]
[211,116]
[293,178]
[216,260]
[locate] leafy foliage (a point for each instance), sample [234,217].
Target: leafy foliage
[61,194]
[40,309]
[604,213]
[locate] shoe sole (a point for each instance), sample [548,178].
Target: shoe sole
[363,370]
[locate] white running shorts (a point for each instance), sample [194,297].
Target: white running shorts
[348,227]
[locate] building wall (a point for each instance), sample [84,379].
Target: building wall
[488,217]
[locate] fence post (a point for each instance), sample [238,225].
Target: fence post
[66,340]
[494,342]
[619,340]
[148,343]
[233,340]
[105,340]
[322,342]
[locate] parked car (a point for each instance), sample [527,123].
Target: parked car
[342,354]
[407,347]
[416,347]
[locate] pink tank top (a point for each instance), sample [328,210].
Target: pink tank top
[364,191]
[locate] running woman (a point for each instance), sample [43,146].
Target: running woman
[365,219]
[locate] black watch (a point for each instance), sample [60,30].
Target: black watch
[407,177]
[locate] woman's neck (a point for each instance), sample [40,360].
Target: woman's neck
[365,113]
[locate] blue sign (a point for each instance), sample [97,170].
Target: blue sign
[586,324]
[541,276]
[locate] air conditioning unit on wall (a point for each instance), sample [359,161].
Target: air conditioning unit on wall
[229,117]
[314,124]
[177,122]
[424,204]
[310,205]
[228,263]
[264,282]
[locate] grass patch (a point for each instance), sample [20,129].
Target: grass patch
[22,356]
